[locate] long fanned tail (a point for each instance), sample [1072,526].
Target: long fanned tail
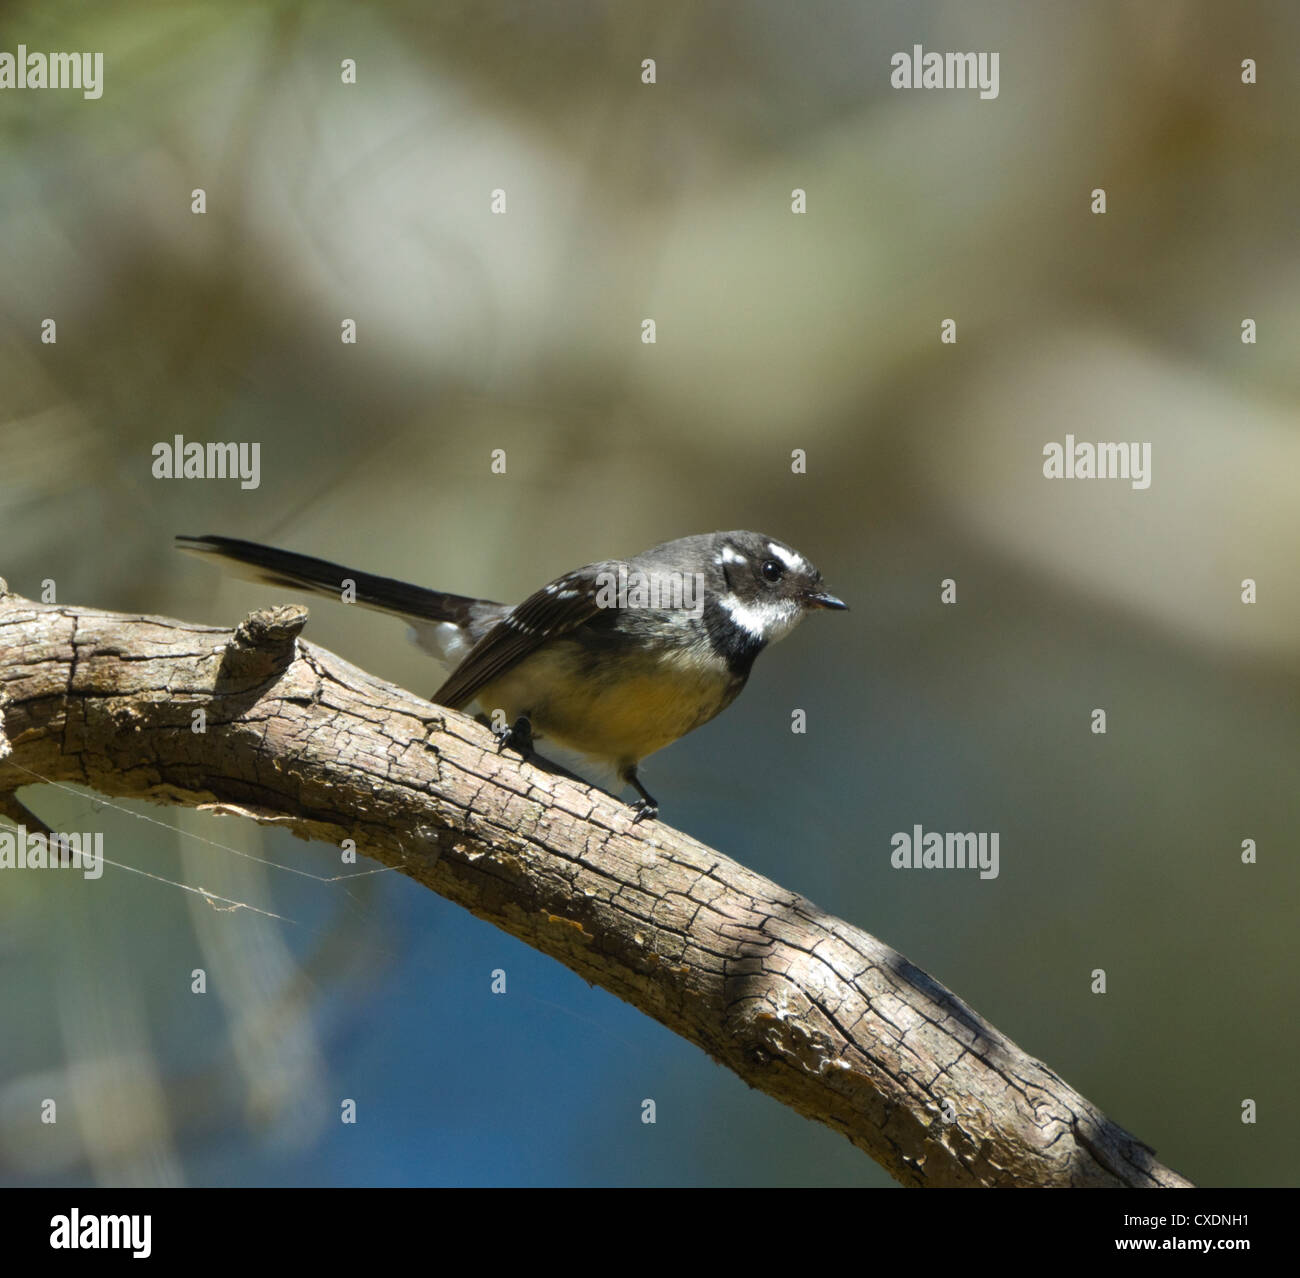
[320,577]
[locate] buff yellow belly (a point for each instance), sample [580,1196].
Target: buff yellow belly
[648,706]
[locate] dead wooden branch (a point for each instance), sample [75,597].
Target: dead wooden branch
[801,1005]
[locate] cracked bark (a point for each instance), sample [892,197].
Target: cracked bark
[801,1005]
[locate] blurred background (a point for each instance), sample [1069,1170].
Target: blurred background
[775,331]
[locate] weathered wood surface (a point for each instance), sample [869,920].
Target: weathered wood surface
[815,1012]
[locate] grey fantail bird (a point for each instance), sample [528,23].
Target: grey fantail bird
[614,660]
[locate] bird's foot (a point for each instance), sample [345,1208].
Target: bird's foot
[645,809]
[519,735]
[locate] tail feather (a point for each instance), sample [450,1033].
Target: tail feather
[319,576]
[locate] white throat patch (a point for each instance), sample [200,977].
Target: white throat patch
[768,620]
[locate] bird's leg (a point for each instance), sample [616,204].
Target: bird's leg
[646,807]
[520,735]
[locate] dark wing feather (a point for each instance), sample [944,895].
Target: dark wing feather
[555,609]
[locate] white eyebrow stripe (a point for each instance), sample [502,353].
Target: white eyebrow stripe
[793,561]
[731,555]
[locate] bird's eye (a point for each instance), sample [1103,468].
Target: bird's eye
[772,570]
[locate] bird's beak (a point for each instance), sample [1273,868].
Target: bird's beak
[821,599]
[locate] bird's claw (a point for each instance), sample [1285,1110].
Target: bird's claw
[519,735]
